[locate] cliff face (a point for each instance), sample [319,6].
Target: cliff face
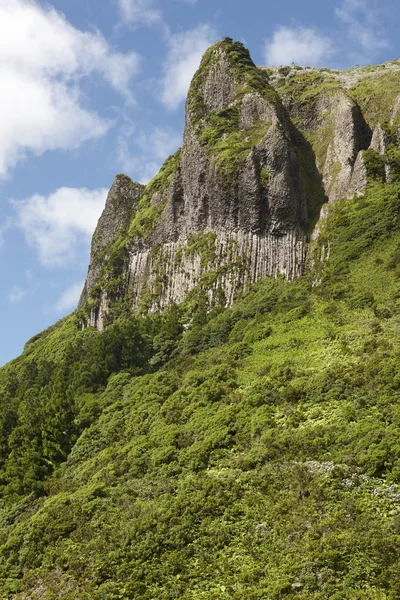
[121,201]
[263,150]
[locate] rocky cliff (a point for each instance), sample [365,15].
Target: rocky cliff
[243,452]
[263,151]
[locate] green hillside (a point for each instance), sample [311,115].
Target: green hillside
[254,454]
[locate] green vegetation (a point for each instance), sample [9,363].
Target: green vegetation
[393,160]
[230,145]
[219,132]
[202,244]
[375,165]
[376,95]
[306,88]
[149,209]
[248,453]
[264,177]
[382,166]
[114,257]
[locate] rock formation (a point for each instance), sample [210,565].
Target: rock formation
[263,150]
[121,200]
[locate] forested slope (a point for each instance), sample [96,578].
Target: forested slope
[252,454]
[199,429]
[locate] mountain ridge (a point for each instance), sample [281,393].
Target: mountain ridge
[213,450]
[269,156]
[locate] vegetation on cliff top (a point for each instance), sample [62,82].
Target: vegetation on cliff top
[248,453]
[219,131]
[147,214]
[376,96]
[252,454]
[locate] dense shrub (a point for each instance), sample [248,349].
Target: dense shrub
[251,452]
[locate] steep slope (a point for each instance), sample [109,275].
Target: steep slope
[342,114]
[227,209]
[261,461]
[244,442]
[121,202]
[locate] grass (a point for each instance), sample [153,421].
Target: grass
[376,96]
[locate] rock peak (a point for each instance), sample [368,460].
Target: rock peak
[225,75]
[121,201]
[263,151]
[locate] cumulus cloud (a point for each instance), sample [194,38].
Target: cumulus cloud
[184,54]
[364,25]
[142,155]
[42,61]
[57,225]
[361,34]
[304,46]
[69,298]
[139,12]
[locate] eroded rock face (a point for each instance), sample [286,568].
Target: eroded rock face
[255,212]
[121,200]
[350,134]
[219,88]
[238,259]
[335,126]
[380,140]
[261,153]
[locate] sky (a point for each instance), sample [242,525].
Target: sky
[92,88]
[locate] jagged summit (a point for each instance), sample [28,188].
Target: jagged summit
[225,75]
[235,120]
[263,151]
[242,452]
[121,201]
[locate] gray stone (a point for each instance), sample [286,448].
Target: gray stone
[122,198]
[257,222]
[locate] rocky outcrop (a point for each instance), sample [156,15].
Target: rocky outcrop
[236,259]
[342,114]
[263,150]
[337,131]
[121,200]
[238,180]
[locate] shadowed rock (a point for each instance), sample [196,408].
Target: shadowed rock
[262,153]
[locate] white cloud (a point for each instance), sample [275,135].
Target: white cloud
[183,58]
[57,225]
[364,25]
[42,61]
[69,298]
[144,159]
[359,38]
[136,12]
[303,46]
[16,294]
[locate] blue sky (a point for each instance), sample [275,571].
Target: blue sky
[92,88]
